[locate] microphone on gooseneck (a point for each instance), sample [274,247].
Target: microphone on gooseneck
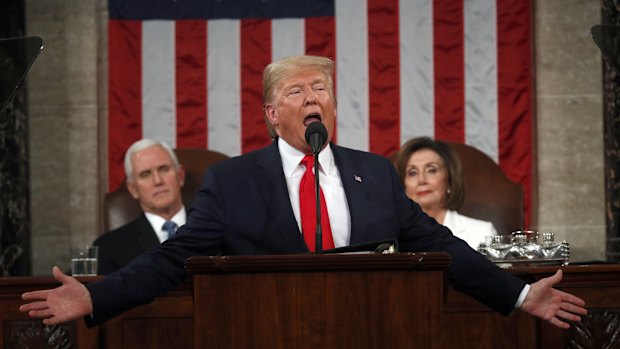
[316,135]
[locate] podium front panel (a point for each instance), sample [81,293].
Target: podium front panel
[379,302]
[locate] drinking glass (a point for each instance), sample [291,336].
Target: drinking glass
[84,260]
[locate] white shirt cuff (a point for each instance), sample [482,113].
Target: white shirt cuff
[522,296]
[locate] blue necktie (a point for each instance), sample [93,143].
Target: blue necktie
[170,227]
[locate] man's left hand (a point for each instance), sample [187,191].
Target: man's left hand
[552,305]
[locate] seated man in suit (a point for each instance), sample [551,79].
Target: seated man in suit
[154,178]
[252,205]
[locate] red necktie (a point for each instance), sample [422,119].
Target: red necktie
[307,203]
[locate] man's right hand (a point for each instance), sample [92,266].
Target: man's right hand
[68,302]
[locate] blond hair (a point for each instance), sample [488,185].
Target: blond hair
[278,71]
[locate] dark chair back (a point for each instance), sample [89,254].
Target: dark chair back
[489,194]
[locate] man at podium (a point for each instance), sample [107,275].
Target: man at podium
[257,203]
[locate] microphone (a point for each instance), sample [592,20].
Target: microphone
[316,135]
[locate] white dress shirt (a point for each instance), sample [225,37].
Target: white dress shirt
[331,185]
[157,222]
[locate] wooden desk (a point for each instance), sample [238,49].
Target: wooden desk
[168,321]
[599,285]
[17,330]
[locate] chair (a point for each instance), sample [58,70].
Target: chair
[119,207]
[489,194]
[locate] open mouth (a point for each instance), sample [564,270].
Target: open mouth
[314,117]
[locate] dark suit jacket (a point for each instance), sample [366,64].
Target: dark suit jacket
[122,245]
[243,208]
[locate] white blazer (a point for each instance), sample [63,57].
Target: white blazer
[472,230]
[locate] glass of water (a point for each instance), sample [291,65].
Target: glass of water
[84,260]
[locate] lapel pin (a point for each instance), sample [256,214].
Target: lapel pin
[357,178]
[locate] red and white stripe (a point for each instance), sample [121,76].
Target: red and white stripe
[455,70]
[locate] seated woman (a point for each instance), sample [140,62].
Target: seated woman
[433,177]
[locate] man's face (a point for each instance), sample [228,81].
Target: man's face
[302,98]
[155,182]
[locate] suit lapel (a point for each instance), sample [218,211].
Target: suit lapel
[271,184]
[146,237]
[353,184]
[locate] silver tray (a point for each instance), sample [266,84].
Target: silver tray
[524,248]
[529,262]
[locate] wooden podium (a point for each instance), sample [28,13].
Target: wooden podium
[319,301]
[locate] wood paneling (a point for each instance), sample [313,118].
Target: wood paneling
[319,301]
[338,303]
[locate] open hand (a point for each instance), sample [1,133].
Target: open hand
[553,305]
[67,302]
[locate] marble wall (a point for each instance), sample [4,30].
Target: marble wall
[64,128]
[14,187]
[611,125]
[67,87]
[569,126]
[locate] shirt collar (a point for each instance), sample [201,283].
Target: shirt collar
[157,221]
[291,157]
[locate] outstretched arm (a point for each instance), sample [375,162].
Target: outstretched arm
[553,305]
[67,302]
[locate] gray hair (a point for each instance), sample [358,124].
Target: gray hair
[141,145]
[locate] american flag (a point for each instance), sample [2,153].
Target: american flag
[188,72]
